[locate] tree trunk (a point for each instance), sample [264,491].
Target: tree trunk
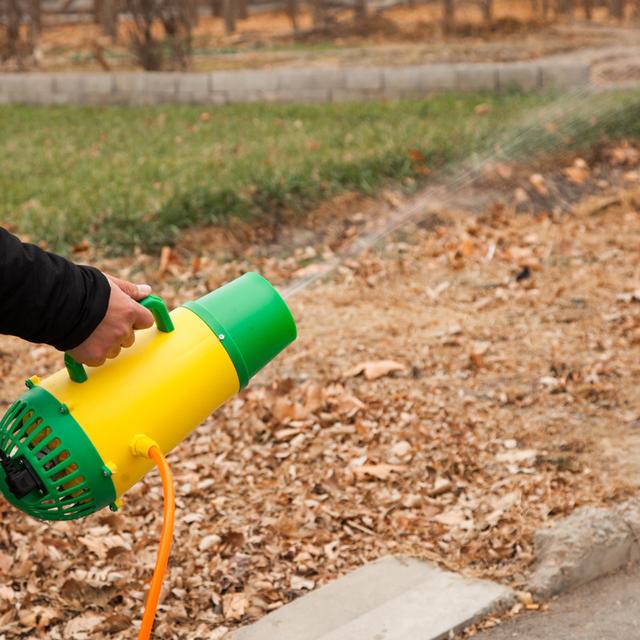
[193,11]
[243,9]
[318,14]
[216,8]
[487,11]
[229,11]
[292,12]
[35,20]
[616,9]
[360,11]
[545,9]
[106,14]
[588,9]
[564,7]
[448,15]
[13,27]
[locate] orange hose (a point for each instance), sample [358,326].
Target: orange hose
[165,543]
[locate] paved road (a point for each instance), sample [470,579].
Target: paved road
[606,609]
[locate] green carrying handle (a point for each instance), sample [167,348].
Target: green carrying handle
[158,308]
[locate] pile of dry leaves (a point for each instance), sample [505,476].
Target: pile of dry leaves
[449,394]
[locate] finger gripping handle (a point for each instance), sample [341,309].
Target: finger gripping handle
[160,313]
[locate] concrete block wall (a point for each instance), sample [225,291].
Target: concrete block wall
[286,85]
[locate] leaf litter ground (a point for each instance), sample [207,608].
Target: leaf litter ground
[450,393]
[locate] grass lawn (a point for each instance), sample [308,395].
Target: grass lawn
[133,176]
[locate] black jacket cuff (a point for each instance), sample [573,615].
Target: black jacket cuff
[93,310]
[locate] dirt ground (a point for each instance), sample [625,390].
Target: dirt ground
[398,36]
[452,390]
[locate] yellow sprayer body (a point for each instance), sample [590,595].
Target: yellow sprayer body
[163,387]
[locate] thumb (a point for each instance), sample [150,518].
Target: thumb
[135,291]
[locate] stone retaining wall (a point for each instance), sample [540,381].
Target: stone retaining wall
[285,85]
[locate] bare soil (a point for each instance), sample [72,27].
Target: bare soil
[452,389]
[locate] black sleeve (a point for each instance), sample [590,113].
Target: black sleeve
[45,298]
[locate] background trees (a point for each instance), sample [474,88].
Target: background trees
[159,32]
[160,35]
[20,23]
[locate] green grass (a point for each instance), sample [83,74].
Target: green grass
[125,177]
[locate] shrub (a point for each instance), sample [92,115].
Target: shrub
[160,37]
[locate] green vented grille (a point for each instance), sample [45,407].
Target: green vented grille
[50,469]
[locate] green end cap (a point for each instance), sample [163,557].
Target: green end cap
[251,320]
[61,471]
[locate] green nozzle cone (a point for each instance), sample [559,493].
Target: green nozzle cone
[251,320]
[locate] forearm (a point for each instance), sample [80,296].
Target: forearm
[45,298]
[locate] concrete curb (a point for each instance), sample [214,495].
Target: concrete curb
[403,599]
[393,598]
[589,543]
[286,85]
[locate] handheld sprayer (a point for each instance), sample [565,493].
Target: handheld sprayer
[75,442]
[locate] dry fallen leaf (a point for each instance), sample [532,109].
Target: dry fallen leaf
[284,410]
[504,171]
[411,501]
[83,623]
[630,296]
[517,455]
[578,172]
[313,269]
[300,582]
[314,398]
[454,518]
[115,623]
[81,246]
[5,562]
[466,248]
[392,198]
[373,370]
[521,196]
[478,350]
[209,541]
[165,259]
[539,184]
[379,471]
[624,154]
[7,594]
[525,597]
[234,605]
[95,544]
[440,486]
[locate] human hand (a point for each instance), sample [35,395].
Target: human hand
[116,330]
